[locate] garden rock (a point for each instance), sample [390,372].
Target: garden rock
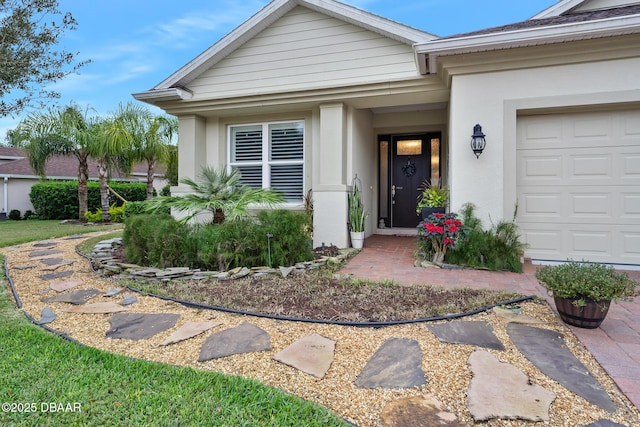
[189,330]
[548,351]
[113,292]
[47,316]
[139,326]
[129,299]
[312,355]
[44,252]
[396,364]
[500,390]
[516,317]
[476,333]
[243,338]
[45,244]
[605,423]
[417,411]
[285,271]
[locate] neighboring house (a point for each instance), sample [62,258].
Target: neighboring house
[307,94]
[17,177]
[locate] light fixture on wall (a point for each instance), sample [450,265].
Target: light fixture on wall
[477,141]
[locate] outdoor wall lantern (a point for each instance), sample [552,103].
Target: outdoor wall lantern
[477,141]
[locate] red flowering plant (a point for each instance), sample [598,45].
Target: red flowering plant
[438,233]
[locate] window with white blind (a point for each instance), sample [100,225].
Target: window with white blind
[270,155]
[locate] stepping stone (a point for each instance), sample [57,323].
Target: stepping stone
[97,308]
[52,261]
[45,244]
[58,275]
[75,237]
[44,252]
[128,300]
[312,355]
[548,351]
[64,285]
[418,411]
[476,333]
[605,423]
[76,297]
[500,390]
[396,364]
[113,292]
[57,266]
[189,330]
[47,316]
[140,326]
[516,317]
[24,266]
[243,338]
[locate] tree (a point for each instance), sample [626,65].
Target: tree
[219,192]
[59,132]
[28,31]
[150,138]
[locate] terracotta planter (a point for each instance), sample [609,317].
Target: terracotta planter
[590,316]
[428,211]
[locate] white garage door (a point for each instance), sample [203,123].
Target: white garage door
[578,184]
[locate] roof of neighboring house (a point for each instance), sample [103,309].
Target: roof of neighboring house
[58,167]
[174,86]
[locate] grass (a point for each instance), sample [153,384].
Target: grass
[16,232]
[37,367]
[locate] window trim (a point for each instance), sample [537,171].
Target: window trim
[265,162]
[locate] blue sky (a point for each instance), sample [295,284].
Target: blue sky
[135,44]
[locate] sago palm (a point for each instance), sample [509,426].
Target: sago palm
[220,192]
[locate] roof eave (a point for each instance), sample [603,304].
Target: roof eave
[527,37]
[158,95]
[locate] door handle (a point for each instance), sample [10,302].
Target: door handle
[399,188]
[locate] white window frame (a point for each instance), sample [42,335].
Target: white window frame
[265,162]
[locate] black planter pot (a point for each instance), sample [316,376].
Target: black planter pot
[428,211]
[590,316]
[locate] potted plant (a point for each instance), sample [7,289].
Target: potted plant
[584,291]
[433,198]
[357,218]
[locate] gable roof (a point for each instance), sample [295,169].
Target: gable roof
[583,25]
[174,87]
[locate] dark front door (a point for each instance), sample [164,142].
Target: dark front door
[410,167]
[406,162]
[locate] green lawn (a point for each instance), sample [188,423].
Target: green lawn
[15,232]
[96,388]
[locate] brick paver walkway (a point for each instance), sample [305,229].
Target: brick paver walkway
[615,344]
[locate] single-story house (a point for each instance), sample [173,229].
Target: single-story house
[310,94]
[17,177]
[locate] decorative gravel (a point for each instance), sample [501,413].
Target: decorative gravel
[445,365]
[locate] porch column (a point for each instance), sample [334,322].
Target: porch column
[329,178]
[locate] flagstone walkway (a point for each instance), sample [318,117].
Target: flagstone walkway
[517,366]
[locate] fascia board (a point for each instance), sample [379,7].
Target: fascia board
[558,9]
[528,37]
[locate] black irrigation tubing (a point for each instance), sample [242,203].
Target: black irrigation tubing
[320,321]
[31,319]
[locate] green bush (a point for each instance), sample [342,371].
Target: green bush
[59,199]
[161,241]
[28,214]
[14,214]
[498,248]
[133,208]
[166,191]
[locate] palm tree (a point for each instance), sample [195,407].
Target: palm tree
[61,132]
[219,192]
[150,137]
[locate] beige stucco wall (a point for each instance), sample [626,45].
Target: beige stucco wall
[17,194]
[495,99]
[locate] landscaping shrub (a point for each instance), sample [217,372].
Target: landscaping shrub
[115,213]
[157,240]
[166,191]
[14,214]
[59,199]
[133,208]
[28,214]
[161,241]
[498,248]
